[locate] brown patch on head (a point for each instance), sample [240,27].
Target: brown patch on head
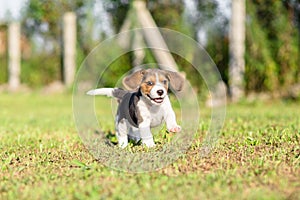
[148,82]
[146,79]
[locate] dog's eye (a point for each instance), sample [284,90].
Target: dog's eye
[165,82]
[150,83]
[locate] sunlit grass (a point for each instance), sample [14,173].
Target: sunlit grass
[42,156]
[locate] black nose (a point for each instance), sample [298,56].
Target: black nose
[160,92]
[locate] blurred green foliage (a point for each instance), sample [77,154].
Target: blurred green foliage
[41,70]
[3,69]
[272,39]
[3,60]
[272,50]
[42,24]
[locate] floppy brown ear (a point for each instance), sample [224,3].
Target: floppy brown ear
[176,80]
[133,81]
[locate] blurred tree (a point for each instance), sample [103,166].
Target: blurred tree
[272,59]
[118,10]
[210,27]
[44,17]
[166,14]
[210,24]
[271,54]
[294,13]
[203,17]
[43,24]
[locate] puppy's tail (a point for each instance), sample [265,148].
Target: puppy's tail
[110,92]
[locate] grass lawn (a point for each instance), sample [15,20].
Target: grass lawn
[42,156]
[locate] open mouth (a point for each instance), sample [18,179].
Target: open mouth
[156,100]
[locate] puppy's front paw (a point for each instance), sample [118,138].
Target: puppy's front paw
[123,142]
[175,129]
[148,142]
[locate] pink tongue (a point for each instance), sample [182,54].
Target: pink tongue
[158,100]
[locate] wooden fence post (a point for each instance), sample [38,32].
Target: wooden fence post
[69,46]
[14,53]
[237,49]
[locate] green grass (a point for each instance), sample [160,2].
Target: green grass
[42,156]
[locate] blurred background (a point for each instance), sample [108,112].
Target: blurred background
[255,43]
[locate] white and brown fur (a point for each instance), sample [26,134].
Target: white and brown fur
[148,106]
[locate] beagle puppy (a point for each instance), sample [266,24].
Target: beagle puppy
[148,106]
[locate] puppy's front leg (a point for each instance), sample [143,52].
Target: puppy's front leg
[170,119]
[172,126]
[145,132]
[146,136]
[144,124]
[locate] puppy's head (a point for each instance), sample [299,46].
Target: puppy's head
[154,83]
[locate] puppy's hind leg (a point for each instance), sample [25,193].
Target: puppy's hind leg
[122,129]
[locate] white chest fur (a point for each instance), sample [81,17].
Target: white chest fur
[157,115]
[154,115]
